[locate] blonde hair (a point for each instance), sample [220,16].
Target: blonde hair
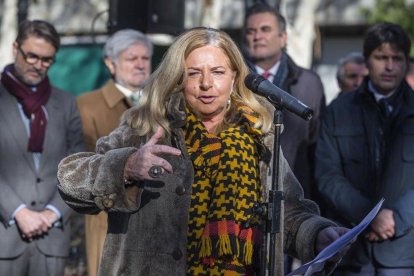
[170,76]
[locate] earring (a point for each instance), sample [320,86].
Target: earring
[228,104]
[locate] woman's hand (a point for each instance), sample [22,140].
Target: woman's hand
[328,235]
[140,163]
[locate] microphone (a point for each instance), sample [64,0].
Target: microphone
[260,85]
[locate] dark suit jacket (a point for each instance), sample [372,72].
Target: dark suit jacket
[21,183]
[353,174]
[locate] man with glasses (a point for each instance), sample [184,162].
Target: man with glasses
[32,59]
[39,126]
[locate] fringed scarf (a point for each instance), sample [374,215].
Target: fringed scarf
[226,186]
[33,105]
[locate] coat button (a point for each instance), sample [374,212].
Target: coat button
[177,254]
[38,180]
[108,203]
[33,203]
[180,190]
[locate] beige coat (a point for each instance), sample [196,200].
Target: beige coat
[148,222]
[100,112]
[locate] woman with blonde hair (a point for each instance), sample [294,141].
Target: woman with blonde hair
[172,74]
[180,176]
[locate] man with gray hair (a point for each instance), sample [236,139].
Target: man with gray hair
[351,71]
[127,54]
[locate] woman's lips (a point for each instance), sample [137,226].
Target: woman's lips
[207,99]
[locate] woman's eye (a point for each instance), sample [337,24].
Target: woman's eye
[191,74]
[219,72]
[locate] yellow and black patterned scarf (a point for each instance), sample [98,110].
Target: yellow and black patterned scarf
[226,186]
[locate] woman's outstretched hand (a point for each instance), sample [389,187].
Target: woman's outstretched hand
[146,162]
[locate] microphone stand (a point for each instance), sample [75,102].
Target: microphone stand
[272,211]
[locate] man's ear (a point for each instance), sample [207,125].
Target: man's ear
[15,49]
[283,39]
[111,65]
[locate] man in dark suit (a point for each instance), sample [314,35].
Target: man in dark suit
[365,152]
[265,38]
[127,54]
[40,125]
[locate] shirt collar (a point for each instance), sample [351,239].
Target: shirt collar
[272,70]
[378,96]
[126,91]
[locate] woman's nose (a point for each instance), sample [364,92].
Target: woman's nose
[206,82]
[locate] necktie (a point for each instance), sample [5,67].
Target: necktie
[385,107]
[266,74]
[134,98]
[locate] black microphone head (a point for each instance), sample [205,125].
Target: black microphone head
[252,81]
[307,114]
[279,98]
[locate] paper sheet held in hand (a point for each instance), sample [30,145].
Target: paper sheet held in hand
[318,263]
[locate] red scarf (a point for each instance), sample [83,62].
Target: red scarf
[33,105]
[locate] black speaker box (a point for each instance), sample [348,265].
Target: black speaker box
[148,16]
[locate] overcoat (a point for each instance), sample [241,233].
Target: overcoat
[353,174]
[148,222]
[100,112]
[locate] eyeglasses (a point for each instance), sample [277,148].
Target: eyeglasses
[31,58]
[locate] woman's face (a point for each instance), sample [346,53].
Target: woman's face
[209,83]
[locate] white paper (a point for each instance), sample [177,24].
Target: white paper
[318,263]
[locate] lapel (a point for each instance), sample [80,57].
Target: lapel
[14,124]
[52,107]
[113,96]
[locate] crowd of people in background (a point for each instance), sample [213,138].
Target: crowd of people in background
[159,163]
